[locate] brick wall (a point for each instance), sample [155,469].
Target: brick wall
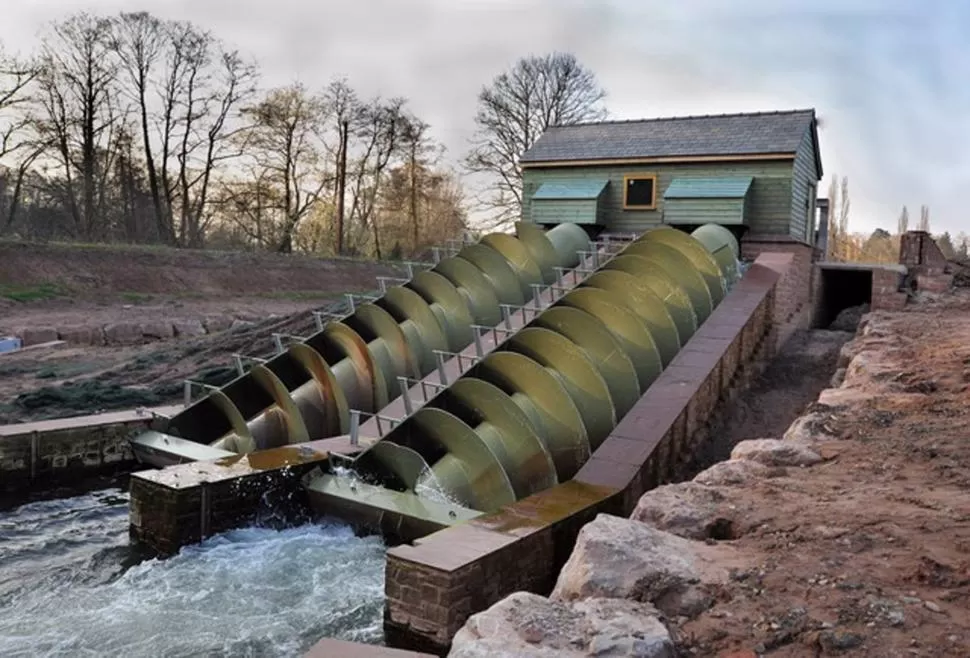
[434,585]
[796,290]
[886,293]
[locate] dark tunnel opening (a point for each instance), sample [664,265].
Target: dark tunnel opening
[840,289]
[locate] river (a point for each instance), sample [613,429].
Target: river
[70,585]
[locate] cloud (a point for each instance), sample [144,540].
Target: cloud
[886,76]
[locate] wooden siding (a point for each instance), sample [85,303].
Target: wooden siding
[564,211]
[769,201]
[704,211]
[804,189]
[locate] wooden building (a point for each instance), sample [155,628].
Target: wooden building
[755,172]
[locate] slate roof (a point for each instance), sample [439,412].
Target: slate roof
[708,135]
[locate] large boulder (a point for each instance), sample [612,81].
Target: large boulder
[774,452]
[532,626]
[122,333]
[809,428]
[736,472]
[214,323]
[686,509]
[188,328]
[160,330]
[623,559]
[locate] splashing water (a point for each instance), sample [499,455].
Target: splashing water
[70,586]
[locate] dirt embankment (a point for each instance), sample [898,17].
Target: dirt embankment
[98,270]
[140,320]
[848,534]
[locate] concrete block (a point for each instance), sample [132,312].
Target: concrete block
[122,333]
[214,323]
[38,335]
[82,335]
[188,328]
[158,330]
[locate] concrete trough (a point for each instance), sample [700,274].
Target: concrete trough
[51,453]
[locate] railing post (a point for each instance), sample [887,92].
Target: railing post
[355,427]
[406,395]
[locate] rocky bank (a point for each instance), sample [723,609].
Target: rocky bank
[848,535]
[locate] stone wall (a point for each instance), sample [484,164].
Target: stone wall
[926,265]
[133,333]
[434,585]
[57,452]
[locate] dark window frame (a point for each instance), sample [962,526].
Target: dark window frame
[626,188]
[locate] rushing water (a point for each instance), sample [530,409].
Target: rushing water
[70,586]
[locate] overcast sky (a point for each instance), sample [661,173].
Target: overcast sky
[890,79]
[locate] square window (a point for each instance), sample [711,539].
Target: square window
[640,191]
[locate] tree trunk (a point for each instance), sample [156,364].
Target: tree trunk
[341,183]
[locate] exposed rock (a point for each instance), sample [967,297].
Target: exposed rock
[837,378]
[122,333]
[687,509]
[528,625]
[82,335]
[774,452]
[158,330]
[239,325]
[188,328]
[214,323]
[624,559]
[832,642]
[737,471]
[808,428]
[848,318]
[38,335]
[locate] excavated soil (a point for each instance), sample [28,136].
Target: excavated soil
[78,286]
[867,553]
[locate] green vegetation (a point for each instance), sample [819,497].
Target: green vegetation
[31,293]
[136,297]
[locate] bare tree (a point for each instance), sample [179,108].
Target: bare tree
[79,111]
[513,112]
[15,77]
[924,218]
[138,39]
[902,224]
[420,153]
[343,104]
[284,141]
[378,129]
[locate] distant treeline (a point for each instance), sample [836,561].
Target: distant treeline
[131,128]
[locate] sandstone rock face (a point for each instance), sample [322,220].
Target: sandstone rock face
[82,335]
[188,328]
[687,509]
[773,452]
[623,559]
[532,626]
[808,429]
[736,472]
[158,330]
[122,333]
[38,335]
